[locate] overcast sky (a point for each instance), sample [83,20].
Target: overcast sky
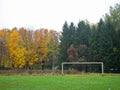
[51,14]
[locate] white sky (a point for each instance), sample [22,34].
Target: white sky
[51,14]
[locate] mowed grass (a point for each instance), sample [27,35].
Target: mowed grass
[59,82]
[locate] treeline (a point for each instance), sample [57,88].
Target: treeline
[99,42]
[47,49]
[28,49]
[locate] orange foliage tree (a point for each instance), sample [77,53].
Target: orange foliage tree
[41,38]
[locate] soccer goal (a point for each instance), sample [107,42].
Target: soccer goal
[84,63]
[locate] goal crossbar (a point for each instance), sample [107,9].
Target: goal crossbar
[82,63]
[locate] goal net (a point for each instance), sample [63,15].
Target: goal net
[83,63]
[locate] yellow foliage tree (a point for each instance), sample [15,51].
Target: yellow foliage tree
[32,57]
[29,44]
[16,49]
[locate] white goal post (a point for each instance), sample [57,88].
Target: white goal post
[101,63]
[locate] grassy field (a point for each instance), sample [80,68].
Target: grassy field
[59,82]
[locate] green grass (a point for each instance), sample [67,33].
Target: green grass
[59,82]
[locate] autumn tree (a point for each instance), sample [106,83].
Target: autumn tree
[72,53]
[4,54]
[41,40]
[16,49]
[29,44]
